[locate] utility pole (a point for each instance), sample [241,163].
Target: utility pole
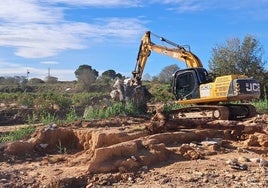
[48,74]
[27,74]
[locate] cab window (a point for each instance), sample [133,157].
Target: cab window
[185,84]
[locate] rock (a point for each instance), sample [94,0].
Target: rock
[184,148]
[43,145]
[90,185]
[257,139]
[193,145]
[2,105]
[252,141]
[193,155]
[50,127]
[240,166]
[213,148]
[134,158]
[209,143]
[165,180]
[263,162]
[255,160]
[233,163]
[189,152]
[3,180]
[262,139]
[243,159]
[144,168]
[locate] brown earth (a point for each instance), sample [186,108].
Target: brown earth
[122,152]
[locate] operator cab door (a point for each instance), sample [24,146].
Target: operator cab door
[186,84]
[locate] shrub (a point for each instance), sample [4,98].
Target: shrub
[119,108]
[261,105]
[161,92]
[17,134]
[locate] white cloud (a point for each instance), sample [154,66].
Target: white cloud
[99,3]
[197,5]
[39,40]
[4,64]
[13,69]
[46,40]
[37,28]
[128,29]
[63,74]
[49,62]
[27,11]
[183,6]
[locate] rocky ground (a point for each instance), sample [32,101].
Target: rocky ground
[122,152]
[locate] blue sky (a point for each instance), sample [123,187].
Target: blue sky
[60,35]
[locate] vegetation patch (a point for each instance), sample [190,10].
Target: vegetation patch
[261,105]
[17,134]
[119,108]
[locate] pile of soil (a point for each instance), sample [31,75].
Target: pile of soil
[122,152]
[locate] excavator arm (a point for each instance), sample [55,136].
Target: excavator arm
[179,53]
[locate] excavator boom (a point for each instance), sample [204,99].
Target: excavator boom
[179,53]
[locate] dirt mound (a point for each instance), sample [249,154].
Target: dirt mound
[121,151]
[13,116]
[46,141]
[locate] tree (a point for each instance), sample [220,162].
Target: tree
[107,78]
[111,74]
[167,72]
[86,76]
[13,80]
[51,79]
[147,77]
[236,57]
[36,81]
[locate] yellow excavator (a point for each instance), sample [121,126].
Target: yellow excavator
[202,94]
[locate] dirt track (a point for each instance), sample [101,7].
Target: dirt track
[121,152]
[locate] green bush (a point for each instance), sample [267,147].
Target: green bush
[46,101]
[119,108]
[17,134]
[161,92]
[48,118]
[27,99]
[84,99]
[261,105]
[9,97]
[71,116]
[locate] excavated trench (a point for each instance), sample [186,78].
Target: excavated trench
[111,150]
[123,148]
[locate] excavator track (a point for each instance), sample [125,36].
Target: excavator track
[190,117]
[213,112]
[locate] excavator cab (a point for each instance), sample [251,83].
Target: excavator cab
[186,82]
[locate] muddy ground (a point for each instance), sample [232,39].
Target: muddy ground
[122,152]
